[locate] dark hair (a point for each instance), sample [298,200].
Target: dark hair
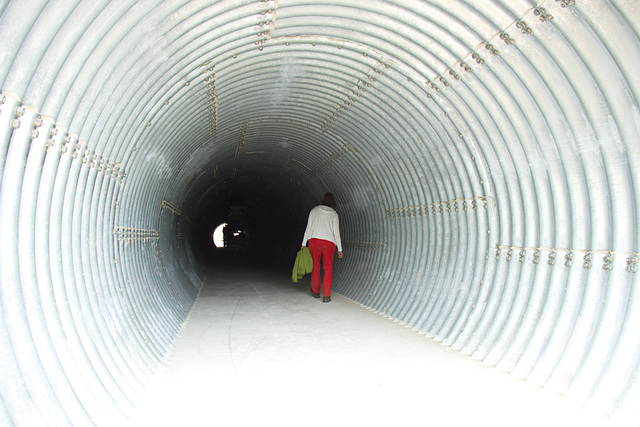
[329,200]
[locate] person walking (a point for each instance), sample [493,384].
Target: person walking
[323,235]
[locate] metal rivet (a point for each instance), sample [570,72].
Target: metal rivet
[587,261]
[568,257]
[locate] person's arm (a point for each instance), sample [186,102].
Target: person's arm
[336,234]
[307,230]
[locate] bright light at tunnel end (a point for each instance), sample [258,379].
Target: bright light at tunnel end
[218,235]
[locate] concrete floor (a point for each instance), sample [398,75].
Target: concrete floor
[258,348]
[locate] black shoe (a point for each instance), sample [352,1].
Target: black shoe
[313,294]
[326,299]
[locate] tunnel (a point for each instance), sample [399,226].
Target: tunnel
[484,155]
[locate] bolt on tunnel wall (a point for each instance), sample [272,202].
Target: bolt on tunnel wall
[485,158]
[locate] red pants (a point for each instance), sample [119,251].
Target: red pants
[325,249]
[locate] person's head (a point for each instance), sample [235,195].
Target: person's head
[329,200]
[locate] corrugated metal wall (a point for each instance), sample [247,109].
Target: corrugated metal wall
[485,156]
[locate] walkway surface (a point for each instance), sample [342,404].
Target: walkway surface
[259,349]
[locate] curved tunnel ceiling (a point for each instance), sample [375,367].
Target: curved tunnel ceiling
[484,156]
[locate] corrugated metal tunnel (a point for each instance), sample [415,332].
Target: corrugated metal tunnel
[484,155]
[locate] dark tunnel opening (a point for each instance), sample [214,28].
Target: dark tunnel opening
[271,228]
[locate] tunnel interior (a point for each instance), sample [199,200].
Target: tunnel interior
[484,157]
[259,229]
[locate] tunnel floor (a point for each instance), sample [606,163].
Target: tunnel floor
[257,347]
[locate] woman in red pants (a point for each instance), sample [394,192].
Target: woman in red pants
[323,235]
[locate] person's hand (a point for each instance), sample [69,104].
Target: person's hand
[340,254]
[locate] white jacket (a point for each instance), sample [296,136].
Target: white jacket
[323,224]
